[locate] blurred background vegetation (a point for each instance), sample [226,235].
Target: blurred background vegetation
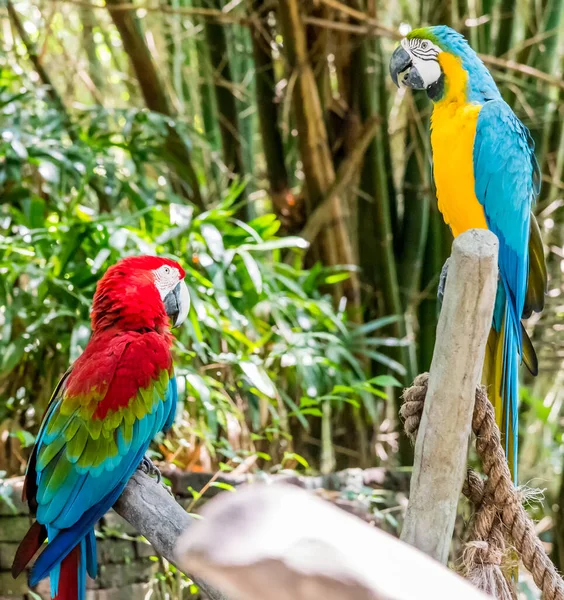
[263,144]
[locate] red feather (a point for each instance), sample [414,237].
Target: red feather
[127,298]
[31,543]
[131,340]
[115,367]
[68,579]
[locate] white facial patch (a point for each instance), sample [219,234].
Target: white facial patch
[424,57]
[166,278]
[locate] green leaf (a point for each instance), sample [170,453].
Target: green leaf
[293,456]
[259,378]
[285,242]
[336,278]
[26,439]
[214,241]
[376,324]
[19,149]
[203,392]
[252,269]
[385,380]
[223,486]
[314,412]
[386,361]
[12,355]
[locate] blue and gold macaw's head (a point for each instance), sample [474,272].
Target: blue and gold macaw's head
[434,58]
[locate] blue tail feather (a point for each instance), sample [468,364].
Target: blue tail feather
[510,391]
[91,558]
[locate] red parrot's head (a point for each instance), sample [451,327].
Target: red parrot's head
[141,292]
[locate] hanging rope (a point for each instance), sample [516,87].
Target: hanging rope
[497,503]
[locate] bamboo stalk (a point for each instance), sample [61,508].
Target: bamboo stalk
[208,106]
[95,70]
[417,199]
[436,253]
[334,243]
[95,181]
[243,68]
[348,168]
[506,26]
[267,108]
[154,94]
[226,105]
[375,230]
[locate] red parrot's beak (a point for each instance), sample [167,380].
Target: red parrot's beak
[177,304]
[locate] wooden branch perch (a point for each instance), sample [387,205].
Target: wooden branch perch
[280,543]
[156,515]
[442,442]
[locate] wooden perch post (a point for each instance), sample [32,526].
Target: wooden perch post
[277,542]
[442,442]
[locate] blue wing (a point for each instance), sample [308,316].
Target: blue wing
[507,180]
[506,183]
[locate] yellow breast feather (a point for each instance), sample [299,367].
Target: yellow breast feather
[453,129]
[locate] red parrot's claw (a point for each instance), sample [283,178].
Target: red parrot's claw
[146,465]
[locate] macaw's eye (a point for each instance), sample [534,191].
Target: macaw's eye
[425,45]
[167,270]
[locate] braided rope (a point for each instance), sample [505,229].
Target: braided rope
[497,503]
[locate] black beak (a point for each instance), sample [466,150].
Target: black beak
[177,303]
[403,72]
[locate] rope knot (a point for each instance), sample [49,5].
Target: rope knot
[482,552]
[412,407]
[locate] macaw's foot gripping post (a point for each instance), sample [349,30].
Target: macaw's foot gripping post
[440,410]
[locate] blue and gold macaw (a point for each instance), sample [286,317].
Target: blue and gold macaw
[486,177]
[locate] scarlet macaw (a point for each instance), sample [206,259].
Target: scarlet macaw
[101,419]
[486,177]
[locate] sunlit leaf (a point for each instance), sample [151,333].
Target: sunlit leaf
[214,241]
[253,270]
[259,378]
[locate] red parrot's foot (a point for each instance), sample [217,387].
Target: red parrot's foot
[148,467]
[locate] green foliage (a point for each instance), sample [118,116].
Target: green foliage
[263,342]
[270,368]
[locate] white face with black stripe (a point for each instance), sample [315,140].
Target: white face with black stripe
[424,55]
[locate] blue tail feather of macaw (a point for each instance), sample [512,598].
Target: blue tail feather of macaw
[503,356]
[511,394]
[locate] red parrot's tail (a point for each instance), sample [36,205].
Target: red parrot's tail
[69,575]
